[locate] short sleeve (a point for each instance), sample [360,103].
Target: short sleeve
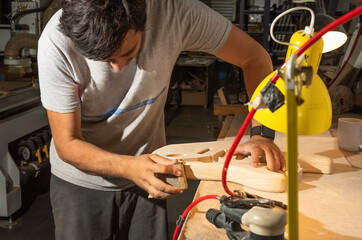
[59,92]
[202,28]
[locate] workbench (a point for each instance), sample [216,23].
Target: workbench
[330,206]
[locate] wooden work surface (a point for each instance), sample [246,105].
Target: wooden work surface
[330,206]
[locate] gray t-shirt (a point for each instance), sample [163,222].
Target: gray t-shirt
[122,112]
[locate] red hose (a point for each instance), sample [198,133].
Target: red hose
[188,209]
[238,137]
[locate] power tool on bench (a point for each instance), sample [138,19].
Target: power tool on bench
[266,219]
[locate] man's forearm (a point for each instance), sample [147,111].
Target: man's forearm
[243,51]
[255,70]
[92,159]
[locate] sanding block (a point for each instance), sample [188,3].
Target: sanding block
[179,182]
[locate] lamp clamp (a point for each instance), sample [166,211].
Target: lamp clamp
[289,72]
[297,75]
[306,75]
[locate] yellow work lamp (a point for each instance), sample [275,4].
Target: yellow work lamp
[296,102]
[314,111]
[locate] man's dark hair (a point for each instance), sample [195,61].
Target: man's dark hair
[97,27]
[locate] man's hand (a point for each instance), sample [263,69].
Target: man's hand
[261,146]
[142,170]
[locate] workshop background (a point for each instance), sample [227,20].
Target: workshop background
[199,82]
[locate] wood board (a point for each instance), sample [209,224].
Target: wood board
[205,160]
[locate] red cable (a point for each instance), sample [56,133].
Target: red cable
[230,154]
[349,56]
[188,209]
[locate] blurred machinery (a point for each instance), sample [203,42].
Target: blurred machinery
[25,134]
[227,8]
[21,17]
[345,86]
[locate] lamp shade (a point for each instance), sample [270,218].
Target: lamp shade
[314,116]
[332,39]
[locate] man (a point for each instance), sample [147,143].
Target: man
[104,70]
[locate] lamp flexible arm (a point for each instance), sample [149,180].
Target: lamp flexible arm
[285,13]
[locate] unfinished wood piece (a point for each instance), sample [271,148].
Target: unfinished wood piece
[312,163]
[201,152]
[240,171]
[315,163]
[204,161]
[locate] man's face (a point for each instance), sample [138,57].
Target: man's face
[129,48]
